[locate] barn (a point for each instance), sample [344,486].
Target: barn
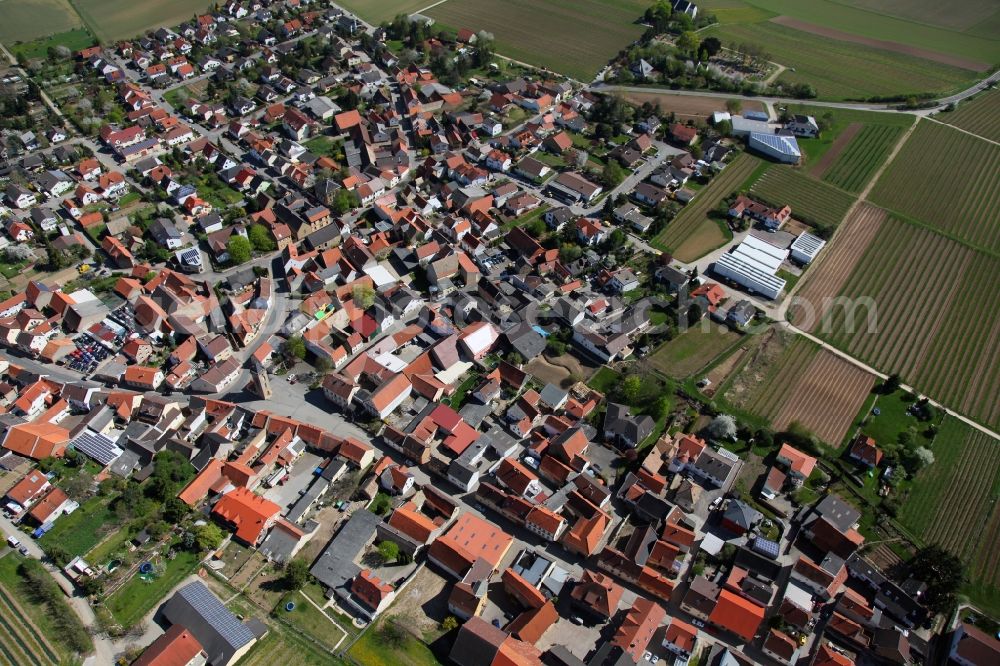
[780,147]
[806,247]
[753,264]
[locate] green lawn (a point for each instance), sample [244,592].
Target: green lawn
[373,650]
[129,199]
[693,349]
[130,603]
[83,529]
[103,552]
[10,270]
[893,420]
[74,40]
[284,647]
[604,380]
[309,620]
[527,218]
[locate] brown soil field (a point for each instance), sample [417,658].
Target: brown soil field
[987,562]
[720,373]
[836,148]
[826,397]
[835,265]
[886,45]
[686,106]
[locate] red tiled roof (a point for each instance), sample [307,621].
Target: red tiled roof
[370,589]
[176,647]
[736,614]
[250,514]
[526,593]
[637,629]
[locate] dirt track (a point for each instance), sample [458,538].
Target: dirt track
[687,106]
[886,45]
[836,148]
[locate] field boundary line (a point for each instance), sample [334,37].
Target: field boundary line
[964,131]
[428,7]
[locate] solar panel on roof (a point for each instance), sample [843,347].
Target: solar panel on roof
[97,446]
[766,547]
[208,606]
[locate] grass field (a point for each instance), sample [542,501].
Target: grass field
[21,19]
[371,650]
[572,37]
[692,233]
[841,70]
[377,11]
[862,157]
[812,201]
[26,626]
[933,311]
[112,20]
[135,598]
[693,350]
[284,646]
[74,40]
[948,180]
[980,115]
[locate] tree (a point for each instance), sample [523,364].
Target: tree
[295,347]
[296,575]
[449,623]
[631,388]
[555,347]
[239,249]
[711,45]
[613,174]
[943,572]
[363,295]
[485,48]
[208,536]
[722,426]
[694,314]
[688,42]
[58,555]
[388,551]
[891,384]
[734,106]
[174,510]
[535,228]
[260,238]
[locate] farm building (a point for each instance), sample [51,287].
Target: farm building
[744,125]
[754,264]
[776,146]
[806,247]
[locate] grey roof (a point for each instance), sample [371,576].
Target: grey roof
[335,566]
[525,340]
[220,632]
[279,545]
[741,514]
[837,512]
[552,395]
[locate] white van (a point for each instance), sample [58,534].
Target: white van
[13,542]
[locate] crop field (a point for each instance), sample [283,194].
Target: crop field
[980,115]
[684,235]
[951,500]
[914,302]
[929,34]
[377,11]
[21,19]
[112,20]
[841,70]
[74,40]
[946,179]
[800,382]
[812,201]
[30,633]
[959,15]
[20,641]
[693,349]
[861,158]
[572,37]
